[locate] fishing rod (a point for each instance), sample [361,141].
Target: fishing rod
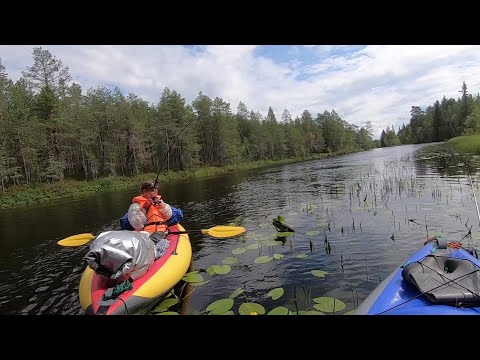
[475,197]
[473,190]
[168,151]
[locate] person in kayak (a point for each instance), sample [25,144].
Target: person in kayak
[148,211]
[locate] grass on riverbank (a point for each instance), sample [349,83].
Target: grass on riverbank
[25,195]
[467,144]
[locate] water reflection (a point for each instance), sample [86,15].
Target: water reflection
[356,217]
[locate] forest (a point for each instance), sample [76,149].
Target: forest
[444,120]
[52,130]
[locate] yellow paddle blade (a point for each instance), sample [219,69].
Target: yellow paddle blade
[223,231]
[76,240]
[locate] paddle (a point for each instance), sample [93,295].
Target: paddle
[220,231]
[76,240]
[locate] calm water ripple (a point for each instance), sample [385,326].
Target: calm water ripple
[356,217]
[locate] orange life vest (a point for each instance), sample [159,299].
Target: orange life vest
[155,219]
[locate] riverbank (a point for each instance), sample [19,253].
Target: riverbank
[469,144]
[24,195]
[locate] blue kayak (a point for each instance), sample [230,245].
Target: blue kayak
[436,280]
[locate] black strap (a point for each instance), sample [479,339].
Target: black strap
[155,223]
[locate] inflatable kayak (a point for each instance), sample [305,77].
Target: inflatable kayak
[436,280]
[100,295]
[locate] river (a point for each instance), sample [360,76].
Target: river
[356,217]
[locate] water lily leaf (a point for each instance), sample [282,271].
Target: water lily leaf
[263,259]
[211,269]
[230,260]
[253,246]
[248,308]
[348,312]
[279,310]
[222,269]
[220,306]
[328,304]
[200,283]
[322,222]
[319,273]
[168,313]
[165,304]
[236,293]
[193,277]
[284,234]
[312,233]
[278,256]
[276,293]
[309,312]
[279,218]
[229,312]
[238,251]
[301,256]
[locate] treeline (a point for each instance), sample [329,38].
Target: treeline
[50,131]
[442,121]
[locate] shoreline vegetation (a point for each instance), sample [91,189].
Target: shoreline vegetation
[25,195]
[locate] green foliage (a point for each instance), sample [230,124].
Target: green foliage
[239,251]
[328,304]
[467,144]
[263,259]
[276,293]
[251,309]
[230,260]
[193,277]
[279,310]
[220,306]
[319,273]
[236,293]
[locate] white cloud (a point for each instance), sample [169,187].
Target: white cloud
[374,83]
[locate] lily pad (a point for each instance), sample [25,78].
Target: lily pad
[236,293]
[193,277]
[253,246]
[349,312]
[200,283]
[229,312]
[278,256]
[312,233]
[322,222]
[168,313]
[238,251]
[276,293]
[211,269]
[279,310]
[284,234]
[319,273]
[220,306]
[309,312]
[263,259]
[301,256]
[222,269]
[165,304]
[230,260]
[248,308]
[328,304]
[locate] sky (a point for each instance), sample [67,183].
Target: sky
[376,83]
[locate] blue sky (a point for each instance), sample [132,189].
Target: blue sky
[377,83]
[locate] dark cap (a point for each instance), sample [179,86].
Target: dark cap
[147,185]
